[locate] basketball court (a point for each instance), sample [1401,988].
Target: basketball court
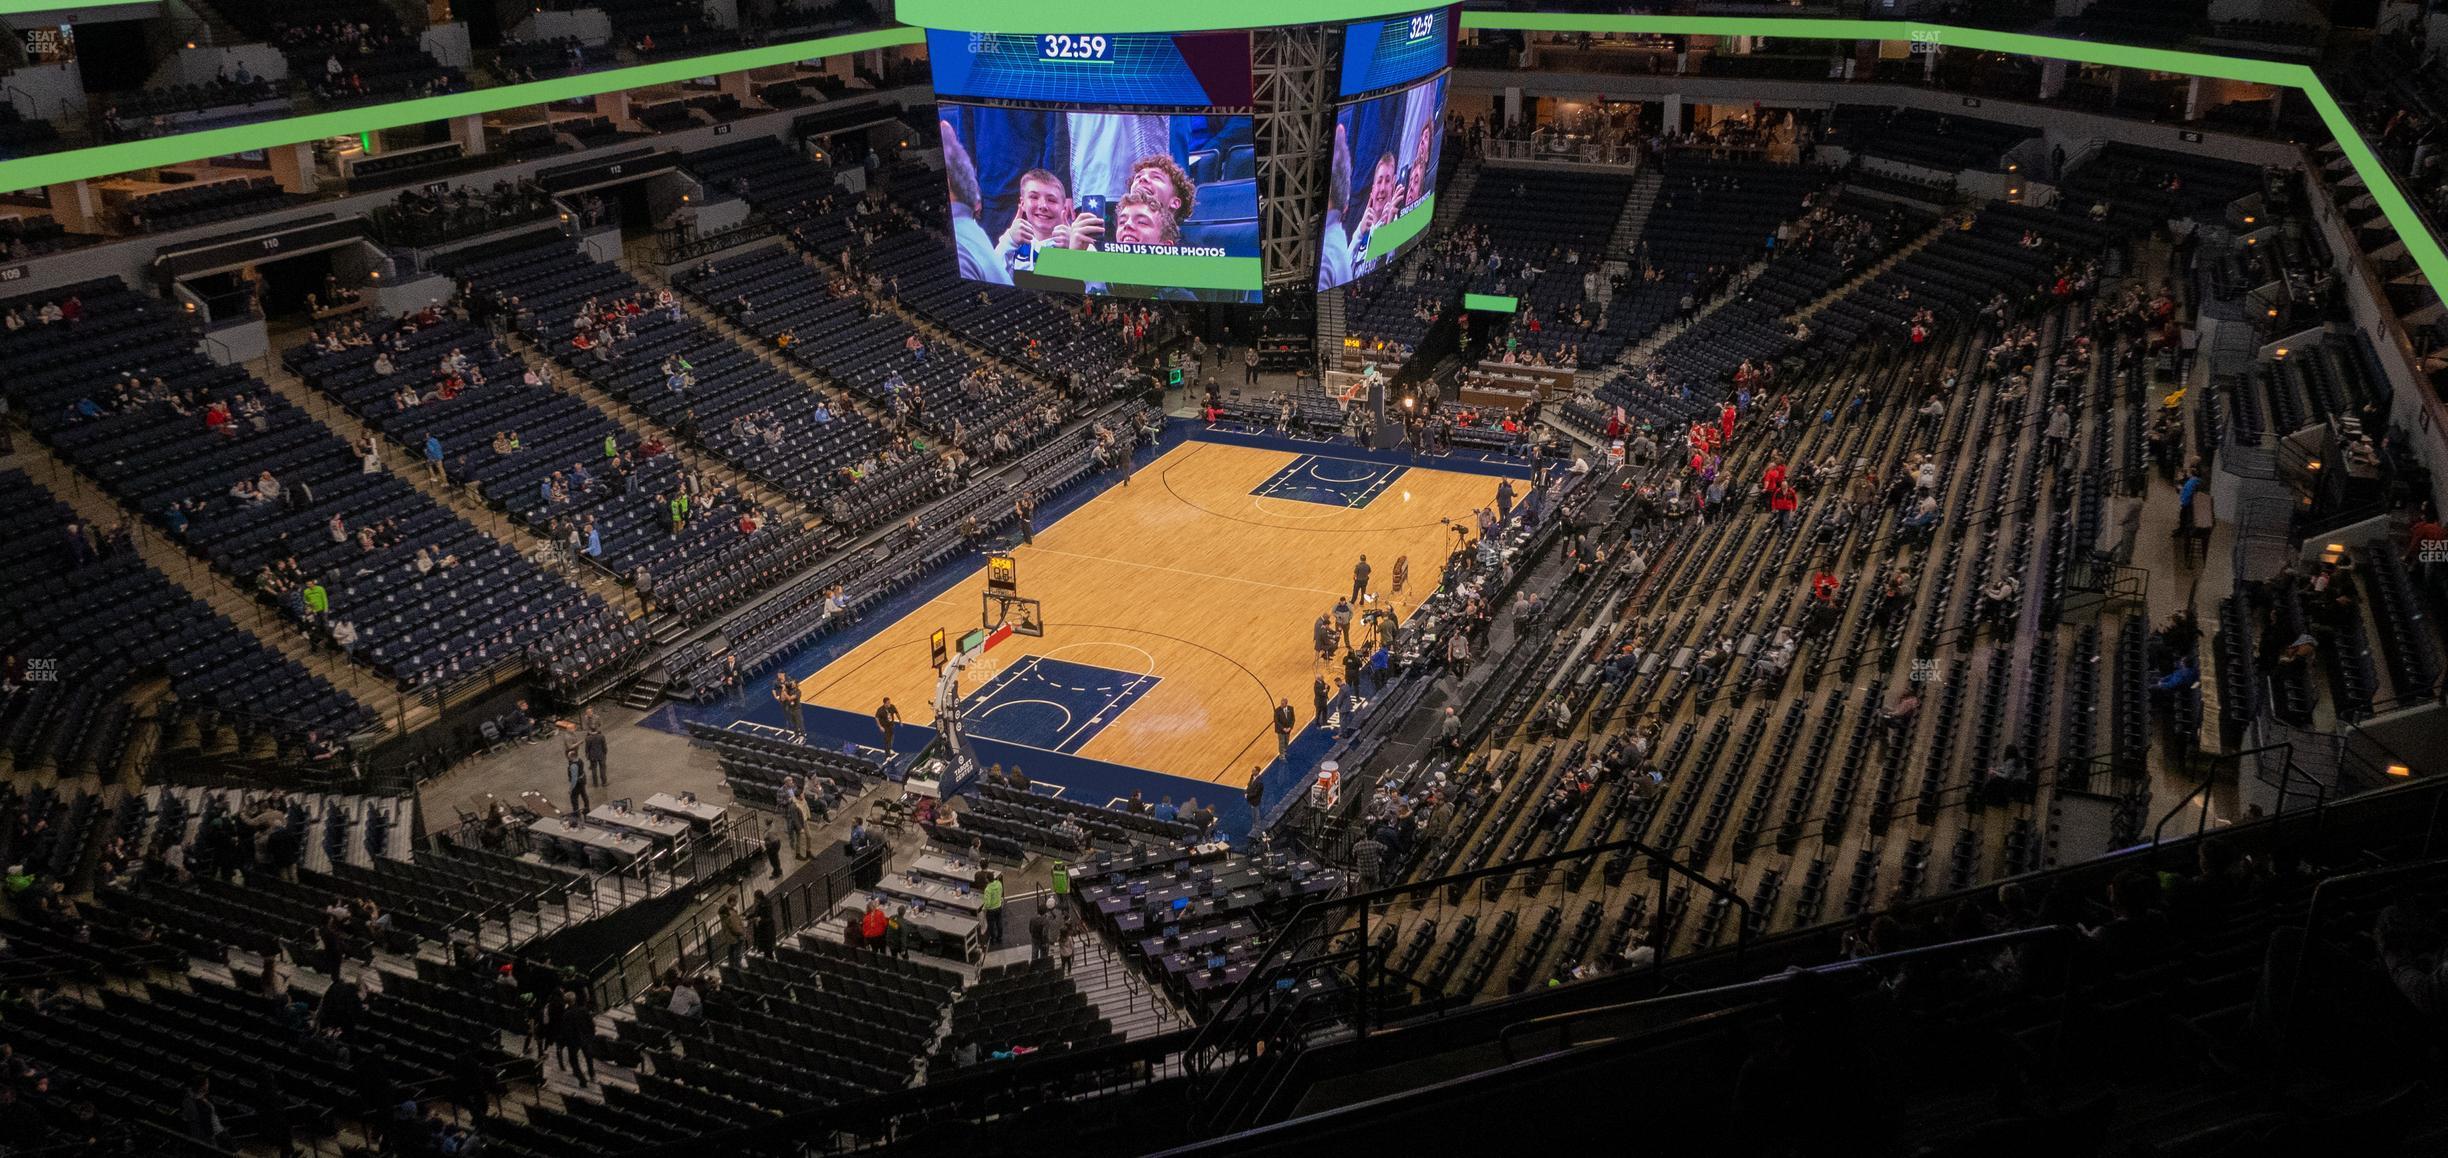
[1178,610]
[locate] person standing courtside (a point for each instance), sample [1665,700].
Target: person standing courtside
[794,816]
[1360,579]
[786,693]
[887,718]
[597,750]
[579,803]
[1249,366]
[1285,718]
[991,898]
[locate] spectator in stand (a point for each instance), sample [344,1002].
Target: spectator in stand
[200,1118]
[579,803]
[761,930]
[597,750]
[796,816]
[2413,950]
[991,899]
[574,1037]
[786,693]
[1899,717]
[887,718]
[684,999]
[1041,934]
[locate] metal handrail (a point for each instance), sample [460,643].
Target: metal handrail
[2311,926]
[1233,1015]
[967,1090]
[2320,791]
[756,227]
[644,865]
[2201,790]
[796,901]
[2286,777]
[440,693]
[1772,984]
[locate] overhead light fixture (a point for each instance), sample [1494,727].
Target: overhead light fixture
[2399,770]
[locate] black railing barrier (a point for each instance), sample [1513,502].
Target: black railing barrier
[681,866]
[1327,834]
[2406,879]
[675,247]
[1530,1051]
[986,1093]
[976,1094]
[2370,819]
[1598,1025]
[1328,953]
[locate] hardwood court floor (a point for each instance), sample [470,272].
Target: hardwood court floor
[1187,575]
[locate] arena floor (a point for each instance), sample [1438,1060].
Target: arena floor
[1179,608]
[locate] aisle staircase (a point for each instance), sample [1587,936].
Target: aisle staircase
[1648,347]
[217,29]
[218,590]
[462,500]
[1330,325]
[636,425]
[1876,270]
[1457,193]
[1120,992]
[1635,217]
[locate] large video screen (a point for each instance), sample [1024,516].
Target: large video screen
[1397,50]
[1382,193]
[1094,69]
[1129,203]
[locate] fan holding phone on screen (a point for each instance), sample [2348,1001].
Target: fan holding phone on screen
[1381,207]
[1046,219]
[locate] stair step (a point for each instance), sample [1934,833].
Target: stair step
[215,589]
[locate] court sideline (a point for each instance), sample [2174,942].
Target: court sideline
[1201,581]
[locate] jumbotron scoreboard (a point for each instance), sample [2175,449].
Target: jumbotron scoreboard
[1126,161]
